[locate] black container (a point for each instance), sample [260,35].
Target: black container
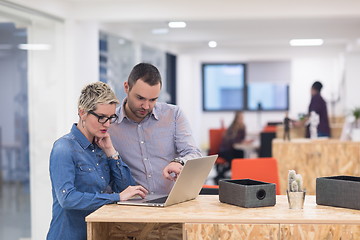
[338,191]
[247,193]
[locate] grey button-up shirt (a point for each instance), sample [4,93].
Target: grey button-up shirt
[149,146]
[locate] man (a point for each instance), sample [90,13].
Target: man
[318,105]
[153,138]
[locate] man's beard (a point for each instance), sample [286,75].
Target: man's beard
[140,112]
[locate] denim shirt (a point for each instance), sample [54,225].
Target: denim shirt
[83,179]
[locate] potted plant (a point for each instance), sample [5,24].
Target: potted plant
[295,192]
[355,132]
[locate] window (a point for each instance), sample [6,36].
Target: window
[254,86]
[267,96]
[268,85]
[223,87]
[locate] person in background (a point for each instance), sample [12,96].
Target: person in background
[236,133]
[318,105]
[153,138]
[85,169]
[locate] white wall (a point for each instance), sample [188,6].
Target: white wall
[44,86]
[55,80]
[352,84]
[304,72]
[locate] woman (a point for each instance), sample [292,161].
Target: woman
[86,171]
[234,134]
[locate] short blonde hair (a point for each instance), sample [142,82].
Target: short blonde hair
[96,93]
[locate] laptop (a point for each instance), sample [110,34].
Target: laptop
[187,186]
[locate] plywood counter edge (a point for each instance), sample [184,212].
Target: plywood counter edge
[242,221]
[279,214]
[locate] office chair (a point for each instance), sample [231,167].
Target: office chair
[261,169]
[215,138]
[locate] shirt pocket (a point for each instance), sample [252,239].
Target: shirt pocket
[86,178]
[84,173]
[84,169]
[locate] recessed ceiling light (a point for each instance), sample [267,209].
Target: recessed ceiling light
[212,44]
[158,31]
[34,46]
[177,24]
[306,42]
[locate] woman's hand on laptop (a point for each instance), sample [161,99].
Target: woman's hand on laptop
[132,191]
[172,170]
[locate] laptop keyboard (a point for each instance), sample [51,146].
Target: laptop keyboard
[158,200]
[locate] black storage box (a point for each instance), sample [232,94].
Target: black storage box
[338,191]
[247,193]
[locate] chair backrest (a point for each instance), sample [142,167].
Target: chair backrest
[269,128]
[261,169]
[215,136]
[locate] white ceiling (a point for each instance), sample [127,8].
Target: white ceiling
[237,25]
[234,34]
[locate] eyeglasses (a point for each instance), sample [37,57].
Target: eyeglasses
[104,119]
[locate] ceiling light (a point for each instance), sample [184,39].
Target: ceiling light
[177,24]
[212,44]
[158,31]
[306,42]
[34,46]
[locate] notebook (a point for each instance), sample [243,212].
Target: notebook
[187,186]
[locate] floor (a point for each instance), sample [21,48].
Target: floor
[14,211]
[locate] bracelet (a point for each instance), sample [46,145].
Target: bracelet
[116,154]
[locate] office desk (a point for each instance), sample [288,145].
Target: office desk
[207,218]
[248,148]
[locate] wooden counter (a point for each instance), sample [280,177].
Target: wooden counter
[207,218]
[315,158]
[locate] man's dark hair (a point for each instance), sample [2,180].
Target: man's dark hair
[317,86]
[146,72]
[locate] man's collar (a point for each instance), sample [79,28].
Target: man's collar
[120,111]
[155,112]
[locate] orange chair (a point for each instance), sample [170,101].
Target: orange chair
[261,169]
[215,136]
[269,128]
[210,190]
